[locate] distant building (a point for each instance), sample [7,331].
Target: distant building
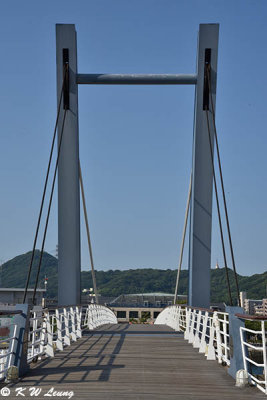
[12,296]
[250,305]
[243,297]
[138,306]
[145,300]
[261,309]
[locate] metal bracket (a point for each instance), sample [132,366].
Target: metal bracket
[66,89]
[206,94]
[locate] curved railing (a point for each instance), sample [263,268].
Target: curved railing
[7,342]
[50,330]
[53,329]
[254,352]
[205,329]
[100,315]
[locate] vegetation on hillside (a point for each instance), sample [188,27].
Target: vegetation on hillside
[14,272]
[116,282]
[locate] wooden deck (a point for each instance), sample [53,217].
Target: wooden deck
[133,362]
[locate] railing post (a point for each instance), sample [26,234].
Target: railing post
[73,325]
[43,335]
[32,333]
[59,330]
[67,328]
[211,351]
[218,336]
[187,323]
[192,327]
[203,343]
[196,343]
[178,314]
[79,322]
[37,317]
[264,354]
[49,349]
[19,346]
[90,317]
[225,336]
[86,318]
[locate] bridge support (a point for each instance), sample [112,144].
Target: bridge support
[202,175]
[68,171]
[69,264]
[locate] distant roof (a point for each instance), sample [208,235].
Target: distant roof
[19,290]
[253,300]
[149,294]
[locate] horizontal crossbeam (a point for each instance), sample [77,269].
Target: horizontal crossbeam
[136,79]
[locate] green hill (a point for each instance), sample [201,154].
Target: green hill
[116,282]
[14,272]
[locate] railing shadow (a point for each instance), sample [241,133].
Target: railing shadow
[89,354]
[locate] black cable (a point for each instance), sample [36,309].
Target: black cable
[88,234]
[223,191]
[44,191]
[219,213]
[49,208]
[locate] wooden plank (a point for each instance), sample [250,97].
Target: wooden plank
[134,362]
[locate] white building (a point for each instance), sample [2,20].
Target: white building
[12,296]
[249,305]
[243,297]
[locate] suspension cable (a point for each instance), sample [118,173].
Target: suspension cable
[49,207]
[223,190]
[44,190]
[183,240]
[218,209]
[88,234]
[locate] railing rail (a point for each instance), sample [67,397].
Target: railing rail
[5,353]
[7,343]
[52,329]
[205,329]
[254,352]
[58,327]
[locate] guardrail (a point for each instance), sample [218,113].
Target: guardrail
[55,328]
[52,329]
[254,353]
[205,329]
[7,342]
[5,359]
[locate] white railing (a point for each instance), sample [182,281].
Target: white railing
[37,334]
[205,329]
[7,349]
[54,329]
[51,330]
[100,315]
[254,353]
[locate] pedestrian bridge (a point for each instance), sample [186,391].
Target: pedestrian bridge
[73,351]
[123,361]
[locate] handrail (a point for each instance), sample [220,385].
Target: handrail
[10,312]
[204,328]
[252,317]
[248,347]
[51,329]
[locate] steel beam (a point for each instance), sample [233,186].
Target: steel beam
[69,265]
[202,175]
[136,79]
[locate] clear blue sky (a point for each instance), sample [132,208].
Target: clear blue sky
[135,142]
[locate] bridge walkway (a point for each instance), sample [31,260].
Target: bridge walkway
[133,362]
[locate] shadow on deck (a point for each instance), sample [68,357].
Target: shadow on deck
[133,362]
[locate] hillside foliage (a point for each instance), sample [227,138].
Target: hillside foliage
[140,280]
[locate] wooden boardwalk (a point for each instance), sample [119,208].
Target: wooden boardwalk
[133,362]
